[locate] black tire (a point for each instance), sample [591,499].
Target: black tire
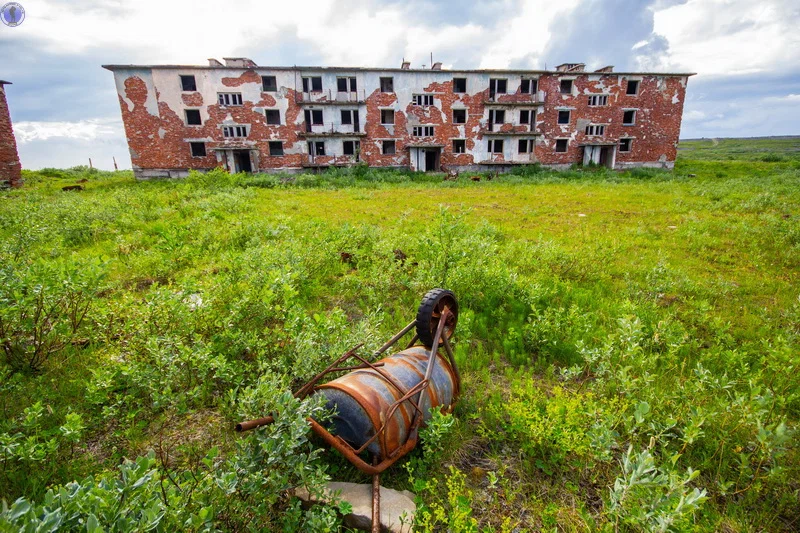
[429,312]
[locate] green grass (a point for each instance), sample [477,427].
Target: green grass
[628,341]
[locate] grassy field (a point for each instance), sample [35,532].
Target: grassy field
[628,342]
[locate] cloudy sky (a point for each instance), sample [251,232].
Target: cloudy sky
[65,110]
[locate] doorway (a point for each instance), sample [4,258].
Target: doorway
[601,155]
[431,160]
[241,161]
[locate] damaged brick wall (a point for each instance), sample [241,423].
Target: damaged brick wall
[10,168]
[153,109]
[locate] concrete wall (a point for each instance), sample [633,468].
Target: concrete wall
[153,109]
[10,168]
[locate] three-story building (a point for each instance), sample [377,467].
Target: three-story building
[248,118]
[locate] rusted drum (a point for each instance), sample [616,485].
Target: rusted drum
[362,398]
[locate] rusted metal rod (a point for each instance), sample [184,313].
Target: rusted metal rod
[376,499]
[394,339]
[253,424]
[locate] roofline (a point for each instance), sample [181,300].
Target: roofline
[112,68]
[4,82]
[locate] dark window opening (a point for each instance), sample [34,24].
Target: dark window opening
[188,83]
[316,147]
[234,131]
[387,85]
[193,117]
[422,99]
[495,146]
[459,116]
[422,131]
[561,145]
[229,98]
[269,84]
[314,116]
[387,116]
[459,85]
[273,116]
[347,116]
[312,84]
[566,86]
[388,147]
[526,116]
[563,117]
[633,87]
[351,147]
[525,146]
[275,148]
[629,117]
[528,86]
[497,86]
[344,85]
[198,149]
[459,146]
[625,145]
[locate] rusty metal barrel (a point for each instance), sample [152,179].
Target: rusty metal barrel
[362,398]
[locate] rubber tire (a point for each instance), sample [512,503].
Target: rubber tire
[426,330]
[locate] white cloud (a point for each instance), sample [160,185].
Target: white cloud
[87,130]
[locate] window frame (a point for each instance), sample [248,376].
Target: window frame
[192,145]
[272,149]
[629,143]
[464,111]
[386,81]
[528,146]
[265,86]
[462,144]
[423,130]
[235,129]
[183,78]
[566,146]
[533,86]
[595,130]
[465,86]
[497,85]
[229,99]
[424,98]
[571,83]
[637,85]
[385,145]
[569,117]
[193,111]
[493,146]
[356,147]
[633,121]
[600,100]
[309,83]
[384,111]
[267,113]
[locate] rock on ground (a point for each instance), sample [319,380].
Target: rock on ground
[397,507]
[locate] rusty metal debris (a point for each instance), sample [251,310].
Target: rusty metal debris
[380,406]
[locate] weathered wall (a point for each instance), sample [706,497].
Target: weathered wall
[10,168]
[153,106]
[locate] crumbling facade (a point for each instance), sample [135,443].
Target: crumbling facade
[10,168]
[248,118]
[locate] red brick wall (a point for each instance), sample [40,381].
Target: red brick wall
[10,169]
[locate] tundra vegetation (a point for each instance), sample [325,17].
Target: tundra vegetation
[628,341]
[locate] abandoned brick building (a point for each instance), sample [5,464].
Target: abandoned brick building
[10,169]
[248,118]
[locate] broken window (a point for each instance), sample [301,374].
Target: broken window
[525,146]
[495,146]
[563,116]
[422,99]
[234,131]
[273,116]
[229,98]
[633,87]
[528,86]
[387,85]
[496,116]
[275,148]
[188,83]
[527,116]
[561,145]
[193,117]
[388,147]
[459,85]
[497,86]
[198,149]
[344,85]
[313,116]
[597,100]
[316,147]
[269,84]
[566,86]
[459,116]
[351,147]
[459,146]
[595,129]
[422,131]
[387,116]
[629,117]
[312,84]
[625,145]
